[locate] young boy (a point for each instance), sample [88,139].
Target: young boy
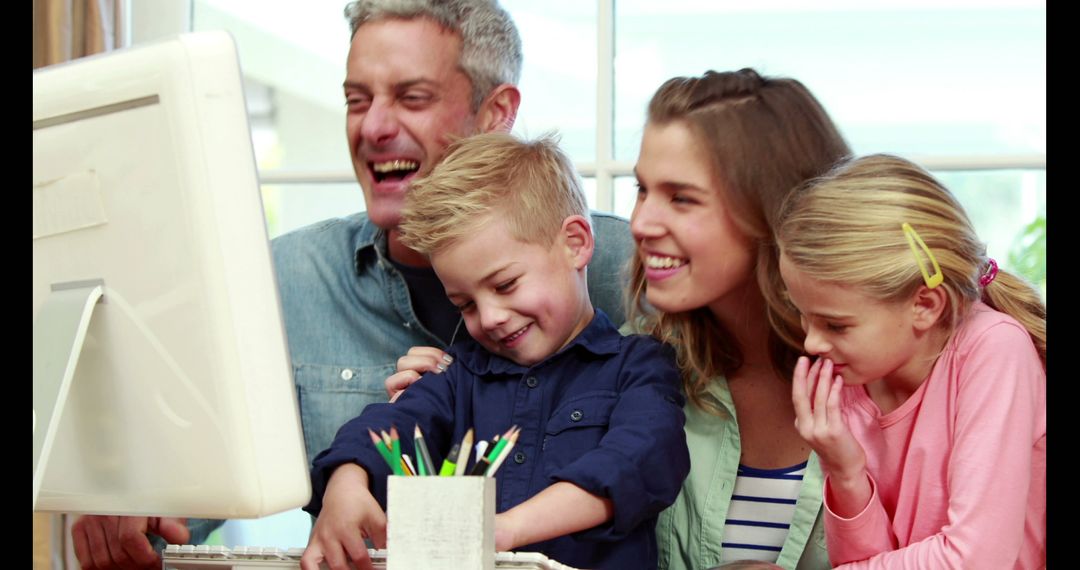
[601,449]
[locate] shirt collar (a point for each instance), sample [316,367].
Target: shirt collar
[718,392]
[370,240]
[600,337]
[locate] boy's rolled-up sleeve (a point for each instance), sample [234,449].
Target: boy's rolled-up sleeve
[642,459]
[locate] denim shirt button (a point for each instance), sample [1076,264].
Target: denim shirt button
[346,374]
[519,457]
[407,324]
[576,415]
[531,381]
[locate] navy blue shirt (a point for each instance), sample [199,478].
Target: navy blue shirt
[604,413]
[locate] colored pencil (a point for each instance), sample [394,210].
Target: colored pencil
[395,444]
[384,452]
[481,447]
[422,454]
[496,450]
[481,466]
[449,466]
[463,453]
[505,453]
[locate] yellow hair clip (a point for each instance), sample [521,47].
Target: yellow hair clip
[912,237]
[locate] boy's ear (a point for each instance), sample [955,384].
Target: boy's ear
[577,237]
[499,109]
[928,305]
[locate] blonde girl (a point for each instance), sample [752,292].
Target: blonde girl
[926,400]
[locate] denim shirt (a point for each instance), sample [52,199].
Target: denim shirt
[604,413]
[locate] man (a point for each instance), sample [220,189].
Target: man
[419,74]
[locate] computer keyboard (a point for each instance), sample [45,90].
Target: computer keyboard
[205,557]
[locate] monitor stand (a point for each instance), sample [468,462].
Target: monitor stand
[59,332]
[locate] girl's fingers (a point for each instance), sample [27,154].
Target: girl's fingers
[418,363]
[798,388]
[821,388]
[811,380]
[833,404]
[430,354]
[424,359]
[396,383]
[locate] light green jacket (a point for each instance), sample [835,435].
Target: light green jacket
[690,531]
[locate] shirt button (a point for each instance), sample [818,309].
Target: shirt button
[519,457]
[346,374]
[531,381]
[576,415]
[408,325]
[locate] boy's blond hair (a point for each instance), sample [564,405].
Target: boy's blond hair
[531,185]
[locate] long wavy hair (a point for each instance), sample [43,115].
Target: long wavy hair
[766,136]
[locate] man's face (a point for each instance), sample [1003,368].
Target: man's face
[406,97]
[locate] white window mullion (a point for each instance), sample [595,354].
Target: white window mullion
[605,104]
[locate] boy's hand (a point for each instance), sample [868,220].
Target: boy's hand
[815,392]
[418,360]
[350,513]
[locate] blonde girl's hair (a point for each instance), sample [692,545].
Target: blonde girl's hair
[531,185]
[765,135]
[846,227]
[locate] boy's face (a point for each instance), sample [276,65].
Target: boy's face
[520,300]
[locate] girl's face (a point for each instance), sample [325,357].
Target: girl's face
[694,254]
[866,339]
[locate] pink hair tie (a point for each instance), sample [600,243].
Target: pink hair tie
[991,272]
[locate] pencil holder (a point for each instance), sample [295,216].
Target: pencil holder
[440,522]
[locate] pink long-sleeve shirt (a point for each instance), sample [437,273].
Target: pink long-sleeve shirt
[959,469]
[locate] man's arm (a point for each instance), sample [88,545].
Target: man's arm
[121,542]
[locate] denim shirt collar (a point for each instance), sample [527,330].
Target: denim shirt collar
[370,240]
[596,338]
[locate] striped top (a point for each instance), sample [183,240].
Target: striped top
[762,507]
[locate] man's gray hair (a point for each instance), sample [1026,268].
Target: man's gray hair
[490,44]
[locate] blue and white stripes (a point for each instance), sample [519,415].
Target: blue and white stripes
[761,510]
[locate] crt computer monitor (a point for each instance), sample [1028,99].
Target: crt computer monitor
[162,383]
